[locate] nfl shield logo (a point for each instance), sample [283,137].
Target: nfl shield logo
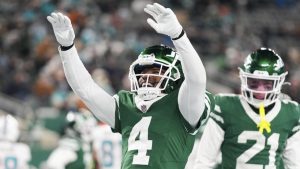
[144,108]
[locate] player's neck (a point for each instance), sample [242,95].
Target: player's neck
[267,109]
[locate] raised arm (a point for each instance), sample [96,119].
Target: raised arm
[97,100]
[191,97]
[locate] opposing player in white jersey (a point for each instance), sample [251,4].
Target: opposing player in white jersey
[107,147]
[13,154]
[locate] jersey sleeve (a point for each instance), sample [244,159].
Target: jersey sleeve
[117,127]
[296,128]
[209,106]
[291,154]
[216,114]
[209,148]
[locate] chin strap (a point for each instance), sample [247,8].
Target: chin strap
[263,124]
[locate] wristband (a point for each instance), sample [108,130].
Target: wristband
[180,35]
[65,48]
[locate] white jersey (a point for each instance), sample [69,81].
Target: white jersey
[14,155]
[107,147]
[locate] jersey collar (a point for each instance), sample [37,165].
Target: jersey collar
[255,117]
[143,105]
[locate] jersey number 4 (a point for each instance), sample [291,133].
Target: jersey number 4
[260,139]
[141,144]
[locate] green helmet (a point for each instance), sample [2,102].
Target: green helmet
[162,57]
[263,64]
[79,124]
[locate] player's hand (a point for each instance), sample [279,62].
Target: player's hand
[165,21]
[62,28]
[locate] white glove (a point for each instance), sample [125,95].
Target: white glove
[166,21]
[62,28]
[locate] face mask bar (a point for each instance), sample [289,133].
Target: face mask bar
[270,96]
[146,92]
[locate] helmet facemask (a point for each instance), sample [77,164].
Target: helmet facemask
[262,77]
[270,95]
[167,71]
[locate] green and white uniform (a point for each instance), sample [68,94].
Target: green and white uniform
[232,130]
[160,138]
[71,153]
[161,135]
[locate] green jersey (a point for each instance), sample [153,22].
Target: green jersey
[72,153]
[159,138]
[243,146]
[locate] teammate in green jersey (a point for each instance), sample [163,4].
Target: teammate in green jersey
[254,130]
[74,150]
[167,101]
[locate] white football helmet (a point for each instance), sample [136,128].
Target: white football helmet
[9,128]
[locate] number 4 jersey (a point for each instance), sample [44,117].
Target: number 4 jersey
[232,129]
[160,138]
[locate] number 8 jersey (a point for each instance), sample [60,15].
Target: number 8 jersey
[160,138]
[232,130]
[14,155]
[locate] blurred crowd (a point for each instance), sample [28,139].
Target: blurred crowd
[110,34]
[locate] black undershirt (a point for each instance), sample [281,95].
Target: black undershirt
[267,109]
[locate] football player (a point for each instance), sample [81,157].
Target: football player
[107,147]
[13,154]
[74,150]
[166,104]
[254,130]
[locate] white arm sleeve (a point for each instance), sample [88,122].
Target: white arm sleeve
[97,100]
[291,154]
[192,92]
[60,157]
[209,146]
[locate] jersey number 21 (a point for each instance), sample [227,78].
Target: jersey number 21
[260,139]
